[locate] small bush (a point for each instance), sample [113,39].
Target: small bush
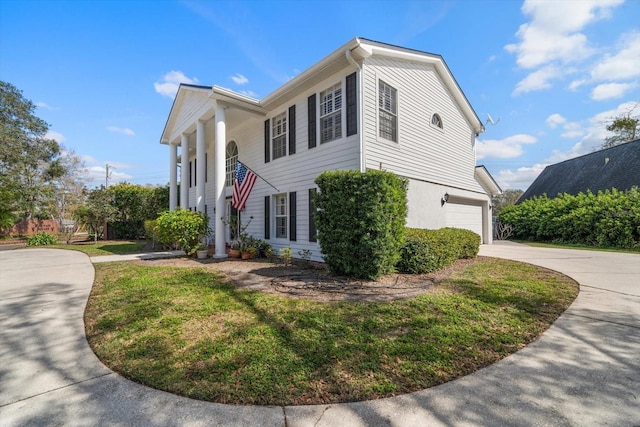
[42,239]
[183,229]
[425,251]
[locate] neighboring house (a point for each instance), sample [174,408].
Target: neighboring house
[368,105]
[616,167]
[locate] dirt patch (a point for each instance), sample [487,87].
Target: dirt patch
[313,280]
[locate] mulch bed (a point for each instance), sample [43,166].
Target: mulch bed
[312,280]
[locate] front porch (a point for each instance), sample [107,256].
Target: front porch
[198,125]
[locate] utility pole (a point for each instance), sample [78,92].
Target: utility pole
[108,168]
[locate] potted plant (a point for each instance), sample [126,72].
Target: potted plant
[234,249]
[249,252]
[201,251]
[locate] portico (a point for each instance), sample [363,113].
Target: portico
[198,125]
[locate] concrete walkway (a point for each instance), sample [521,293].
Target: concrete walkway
[585,370]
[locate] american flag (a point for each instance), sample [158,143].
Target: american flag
[242,185]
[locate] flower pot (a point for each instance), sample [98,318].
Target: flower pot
[234,253]
[246,255]
[202,254]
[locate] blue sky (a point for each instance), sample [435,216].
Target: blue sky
[103,73]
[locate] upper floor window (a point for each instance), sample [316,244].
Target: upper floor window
[331,114]
[231,157]
[279,135]
[436,120]
[388,111]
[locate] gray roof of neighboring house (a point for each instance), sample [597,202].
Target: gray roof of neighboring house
[616,167]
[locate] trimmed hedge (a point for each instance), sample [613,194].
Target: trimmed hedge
[360,221]
[610,218]
[425,251]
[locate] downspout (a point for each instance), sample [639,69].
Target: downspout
[361,153]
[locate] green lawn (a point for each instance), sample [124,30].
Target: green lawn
[108,247]
[186,331]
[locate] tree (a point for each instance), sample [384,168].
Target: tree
[625,128]
[508,197]
[97,211]
[28,159]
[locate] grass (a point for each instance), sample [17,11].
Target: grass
[108,247]
[187,331]
[578,246]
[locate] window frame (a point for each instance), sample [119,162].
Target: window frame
[285,215]
[230,173]
[440,124]
[336,93]
[382,85]
[279,122]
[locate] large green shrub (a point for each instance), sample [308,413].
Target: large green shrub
[425,251]
[360,221]
[182,229]
[609,218]
[133,204]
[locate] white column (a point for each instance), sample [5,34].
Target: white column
[201,166]
[173,176]
[184,173]
[219,172]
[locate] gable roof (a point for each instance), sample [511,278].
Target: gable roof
[616,167]
[358,48]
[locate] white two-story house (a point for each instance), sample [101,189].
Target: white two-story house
[368,105]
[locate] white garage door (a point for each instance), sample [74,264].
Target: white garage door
[463,215]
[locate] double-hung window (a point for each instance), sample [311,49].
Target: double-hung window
[331,114]
[279,135]
[280,217]
[388,112]
[231,157]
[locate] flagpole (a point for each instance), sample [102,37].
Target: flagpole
[258,175]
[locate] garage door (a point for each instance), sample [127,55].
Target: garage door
[464,215]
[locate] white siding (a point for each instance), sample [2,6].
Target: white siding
[423,151]
[294,172]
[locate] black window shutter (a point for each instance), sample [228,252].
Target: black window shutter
[206,168]
[195,172]
[267,145]
[352,105]
[312,222]
[267,217]
[292,216]
[292,130]
[311,128]
[190,174]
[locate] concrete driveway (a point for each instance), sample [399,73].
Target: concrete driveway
[585,370]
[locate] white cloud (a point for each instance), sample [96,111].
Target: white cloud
[554,120]
[44,105]
[239,79]
[623,65]
[572,130]
[503,148]
[576,84]
[611,90]
[521,178]
[97,175]
[169,84]
[538,80]
[55,135]
[124,131]
[553,39]
[593,135]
